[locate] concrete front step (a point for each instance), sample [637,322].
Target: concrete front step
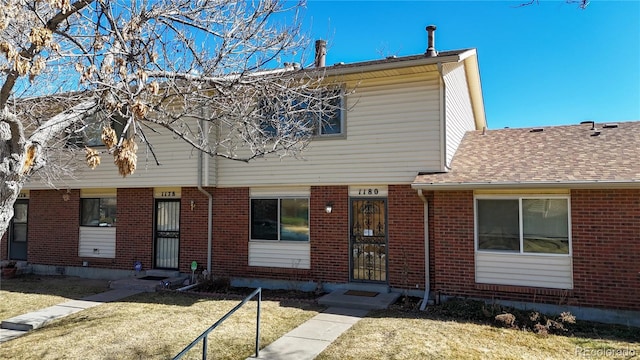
[169,279]
[339,298]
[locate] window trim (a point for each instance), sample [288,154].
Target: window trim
[520,197]
[82,199]
[317,129]
[280,198]
[81,139]
[342,113]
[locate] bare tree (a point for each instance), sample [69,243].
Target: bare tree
[582,4]
[209,72]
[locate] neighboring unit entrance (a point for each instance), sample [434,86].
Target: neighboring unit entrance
[368,240]
[18,231]
[167,234]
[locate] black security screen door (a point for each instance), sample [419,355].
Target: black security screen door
[167,234]
[368,240]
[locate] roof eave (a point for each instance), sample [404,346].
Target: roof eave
[338,70]
[472,71]
[605,184]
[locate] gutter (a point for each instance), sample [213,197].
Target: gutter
[377,65]
[427,282]
[632,184]
[201,161]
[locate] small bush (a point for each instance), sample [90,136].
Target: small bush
[217,285]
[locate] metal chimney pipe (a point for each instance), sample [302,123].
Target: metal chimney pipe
[431,47]
[321,53]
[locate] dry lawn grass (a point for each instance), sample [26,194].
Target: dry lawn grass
[158,326]
[397,335]
[28,293]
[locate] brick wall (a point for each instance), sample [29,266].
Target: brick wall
[230,231]
[605,241]
[329,237]
[606,247]
[193,228]
[53,227]
[134,231]
[330,234]
[453,242]
[406,238]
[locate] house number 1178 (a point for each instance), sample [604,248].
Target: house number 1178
[367,191]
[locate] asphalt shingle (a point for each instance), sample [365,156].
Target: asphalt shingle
[554,154]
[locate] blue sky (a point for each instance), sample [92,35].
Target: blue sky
[545,64]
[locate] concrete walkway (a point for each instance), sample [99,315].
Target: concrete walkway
[302,343]
[20,325]
[309,339]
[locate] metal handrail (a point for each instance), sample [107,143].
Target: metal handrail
[203,336]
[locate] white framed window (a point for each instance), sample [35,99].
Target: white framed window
[523,240]
[98,211]
[523,224]
[90,133]
[279,219]
[323,115]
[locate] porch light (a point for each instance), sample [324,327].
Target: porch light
[329,207]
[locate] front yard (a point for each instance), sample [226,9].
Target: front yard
[159,325]
[28,293]
[400,335]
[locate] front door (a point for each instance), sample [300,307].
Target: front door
[368,240]
[18,231]
[167,234]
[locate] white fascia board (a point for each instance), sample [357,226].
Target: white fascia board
[335,70]
[472,71]
[633,184]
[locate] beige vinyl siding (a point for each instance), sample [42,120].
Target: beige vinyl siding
[459,113]
[392,132]
[281,254]
[545,271]
[178,167]
[99,242]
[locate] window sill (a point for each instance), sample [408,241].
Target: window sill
[523,289]
[514,253]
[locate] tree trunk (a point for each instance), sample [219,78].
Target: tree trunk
[12,151]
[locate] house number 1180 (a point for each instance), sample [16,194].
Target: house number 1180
[367,191]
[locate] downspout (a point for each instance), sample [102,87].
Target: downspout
[443,117]
[204,126]
[427,282]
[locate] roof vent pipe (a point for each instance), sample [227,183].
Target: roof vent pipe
[431,47]
[321,53]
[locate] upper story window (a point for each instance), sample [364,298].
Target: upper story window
[322,117]
[90,133]
[98,211]
[523,225]
[283,219]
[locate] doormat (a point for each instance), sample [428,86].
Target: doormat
[361,293]
[155,278]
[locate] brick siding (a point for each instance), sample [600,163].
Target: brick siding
[53,227]
[134,230]
[230,231]
[193,228]
[605,241]
[606,248]
[406,238]
[330,234]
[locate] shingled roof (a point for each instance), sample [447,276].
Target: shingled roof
[555,156]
